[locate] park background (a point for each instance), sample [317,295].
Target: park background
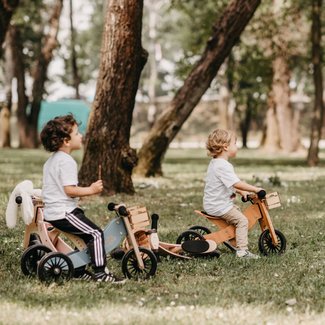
[244,65]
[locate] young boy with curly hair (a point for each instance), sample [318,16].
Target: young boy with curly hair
[221,185]
[61,192]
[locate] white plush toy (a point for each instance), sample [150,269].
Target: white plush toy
[26,190]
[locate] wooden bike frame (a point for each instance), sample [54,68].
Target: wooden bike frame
[258,211]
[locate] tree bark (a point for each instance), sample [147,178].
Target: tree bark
[226,32]
[271,142]
[108,133]
[5,112]
[4,127]
[283,109]
[246,121]
[75,73]
[317,120]
[7,8]
[19,72]
[286,121]
[28,122]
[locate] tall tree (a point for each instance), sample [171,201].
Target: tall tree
[226,32]
[85,46]
[7,8]
[75,73]
[286,31]
[27,119]
[108,133]
[5,111]
[317,120]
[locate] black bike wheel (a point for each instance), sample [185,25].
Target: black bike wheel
[55,267]
[188,235]
[131,268]
[30,258]
[266,246]
[201,230]
[34,239]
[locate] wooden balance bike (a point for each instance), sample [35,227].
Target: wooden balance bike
[271,240]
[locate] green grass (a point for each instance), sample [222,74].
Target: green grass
[200,290]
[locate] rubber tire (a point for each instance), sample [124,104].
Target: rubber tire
[201,230]
[188,235]
[130,266]
[55,267]
[30,258]
[34,239]
[266,246]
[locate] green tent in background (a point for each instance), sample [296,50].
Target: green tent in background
[79,108]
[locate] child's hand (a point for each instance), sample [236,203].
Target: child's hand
[258,189]
[97,187]
[244,194]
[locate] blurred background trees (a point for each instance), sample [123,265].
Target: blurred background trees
[269,87]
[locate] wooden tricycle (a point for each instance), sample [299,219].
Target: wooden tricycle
[48,255]
[271,240]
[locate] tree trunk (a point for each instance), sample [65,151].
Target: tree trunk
[286,121]
[246,121]
[28,122]
[271,142]
[4,127]
[75,73]
[6,110]
[317,120]
[19,72]
[108,133]
[227,103]
[283,109]
[7,8]
[225,34]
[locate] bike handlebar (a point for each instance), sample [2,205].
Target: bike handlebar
[111,206]
[154,221]
[261,195]
[121,209]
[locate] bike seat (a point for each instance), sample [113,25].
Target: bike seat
[206,215]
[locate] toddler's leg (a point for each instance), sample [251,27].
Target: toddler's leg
[237,218]
[93,237]
[78,224]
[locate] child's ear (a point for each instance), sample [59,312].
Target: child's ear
[66,141]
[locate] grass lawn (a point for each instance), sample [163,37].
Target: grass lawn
[287,289]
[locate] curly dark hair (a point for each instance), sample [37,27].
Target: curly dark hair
[56,131]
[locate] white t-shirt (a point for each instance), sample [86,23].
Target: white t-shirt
[218,190]
[59,170]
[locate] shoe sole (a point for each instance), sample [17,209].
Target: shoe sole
[248,257]
[199,246]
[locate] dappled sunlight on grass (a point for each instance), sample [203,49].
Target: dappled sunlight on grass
[137,313]
[286,289]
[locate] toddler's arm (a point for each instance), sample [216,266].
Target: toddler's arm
[245,187]
[79,191]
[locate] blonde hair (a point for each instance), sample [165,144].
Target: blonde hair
[217,140]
